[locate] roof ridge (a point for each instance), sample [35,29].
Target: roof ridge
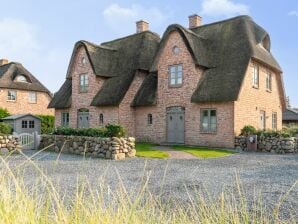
[223,21]
[96,45]
[132,35]
[187,30]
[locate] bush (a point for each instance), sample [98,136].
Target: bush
[90,132]
[115,130]
[5,128]
[4,113]
[248,130]
[47,123]
[111,130]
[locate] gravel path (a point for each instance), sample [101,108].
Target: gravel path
[269,174]
[175,154]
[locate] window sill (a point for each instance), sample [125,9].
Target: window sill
[255,87]
[11,101]
[32,102]
[208,132]
[268,90]
[175,86]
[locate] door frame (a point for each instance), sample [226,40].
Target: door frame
[262,113]
[83,111]
[171,110]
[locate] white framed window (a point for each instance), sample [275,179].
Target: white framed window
[84,61]
[274,120]
[255,76]
[21,78]
[12,95]
[176,50]
[208,120]
[269,81]
[24,124]
[65,119]
[175,75]
[32,97]
[149,119]
[84,83]
[31,124]
[101,121]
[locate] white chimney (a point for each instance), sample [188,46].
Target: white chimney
[142,26]
[194,21]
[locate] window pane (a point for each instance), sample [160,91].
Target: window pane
[173,81]
[179,81]
[172,69]
[213,113]
[180,68]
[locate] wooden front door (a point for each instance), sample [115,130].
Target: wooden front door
[262,120]
[175,125]
[83,119]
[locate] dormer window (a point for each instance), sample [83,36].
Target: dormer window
[266,43]
[21,78]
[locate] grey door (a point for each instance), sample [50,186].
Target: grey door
[262,120]
[83,119]
[175,125]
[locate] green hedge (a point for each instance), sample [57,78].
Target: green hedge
[5,128]
[110,130]
[285,132]
[47,123]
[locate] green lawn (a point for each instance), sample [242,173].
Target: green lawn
[146,150]
[202,152]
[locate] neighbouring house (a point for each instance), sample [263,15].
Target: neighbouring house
[290,117]
[24,123]
[197,86]
[21,92]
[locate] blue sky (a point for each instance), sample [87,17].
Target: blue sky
[41,34]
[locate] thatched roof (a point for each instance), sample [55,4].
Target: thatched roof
[8,74]
[62,99]
[117,61]
[224,49]
[290,115]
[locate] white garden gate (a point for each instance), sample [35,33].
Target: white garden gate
[27,140]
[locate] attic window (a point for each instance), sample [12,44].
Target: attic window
[21,78]
[176,50]
[266,43]
[84,61]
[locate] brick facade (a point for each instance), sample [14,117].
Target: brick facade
[22,105]
[231,116]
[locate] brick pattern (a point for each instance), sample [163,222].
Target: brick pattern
[170,96]
[22,105]
[252,100]
[126,112]
[83,100]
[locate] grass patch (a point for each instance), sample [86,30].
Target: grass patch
[203,152]
[147,150]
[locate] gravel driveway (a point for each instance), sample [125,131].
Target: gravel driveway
[272,175]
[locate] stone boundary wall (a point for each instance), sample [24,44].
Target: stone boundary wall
[270,144]
[107,148]
[9,143]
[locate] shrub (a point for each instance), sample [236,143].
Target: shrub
[5,128]
[248,130]
[111,130]
[115,130]
[90,132]
[4,113]
[47,123]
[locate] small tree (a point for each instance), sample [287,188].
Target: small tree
[248,130]
[4,113]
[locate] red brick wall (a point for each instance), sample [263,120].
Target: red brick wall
[22,106]
[83,100]
[181,96]
[252,100]
[126,112]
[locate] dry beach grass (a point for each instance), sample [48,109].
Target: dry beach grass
[41,202]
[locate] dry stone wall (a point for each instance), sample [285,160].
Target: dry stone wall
[270,144]
[9,143]
[106,148]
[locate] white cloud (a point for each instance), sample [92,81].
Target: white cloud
[122,19]
[19,42]
[293,13]
[223,8]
